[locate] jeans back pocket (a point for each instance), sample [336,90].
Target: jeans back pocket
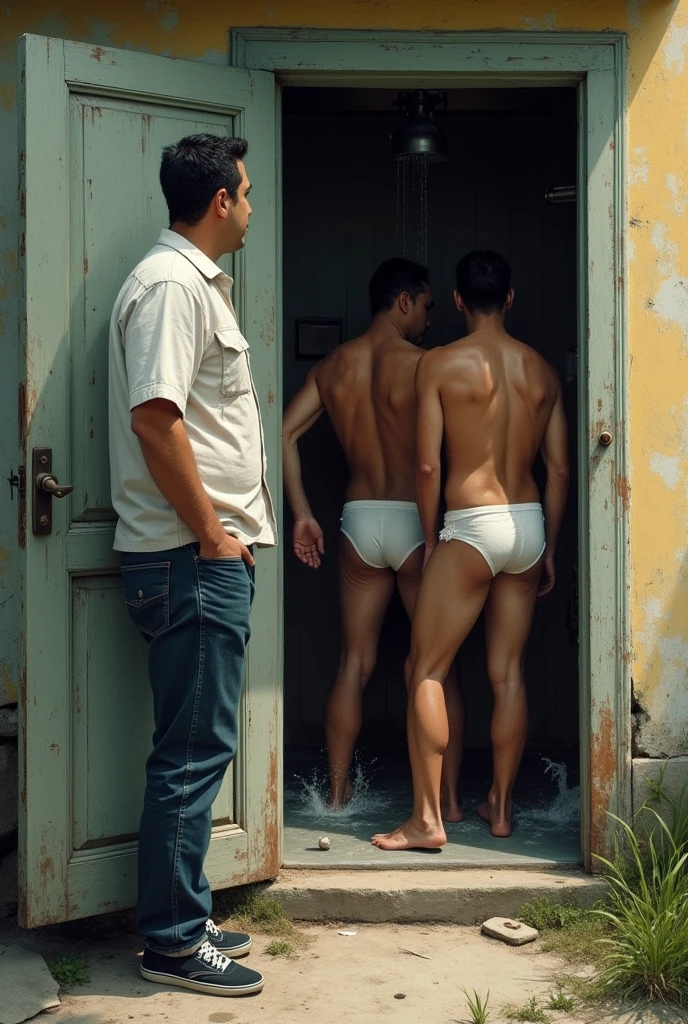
[146,591]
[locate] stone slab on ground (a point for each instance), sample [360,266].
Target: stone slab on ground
[26,985]
[455,896]
[514,933]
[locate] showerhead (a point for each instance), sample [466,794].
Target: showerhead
[419,134]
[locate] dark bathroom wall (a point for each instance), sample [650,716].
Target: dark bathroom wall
[339,223]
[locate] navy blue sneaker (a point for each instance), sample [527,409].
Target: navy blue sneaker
[207,970]
[229,943]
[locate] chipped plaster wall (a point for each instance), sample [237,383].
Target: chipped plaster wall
[657,266]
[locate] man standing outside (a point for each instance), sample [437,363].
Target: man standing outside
[367,388]
[495,403]
[188,484]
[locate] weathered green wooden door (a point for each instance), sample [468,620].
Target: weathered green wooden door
[93,124]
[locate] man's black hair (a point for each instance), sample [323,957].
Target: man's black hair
[483,280]
[194,169]
[391,279]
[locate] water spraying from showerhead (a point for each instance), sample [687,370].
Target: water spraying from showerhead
[418,142]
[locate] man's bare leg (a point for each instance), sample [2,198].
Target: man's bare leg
[408,582]
[452,593]
[453,755]
[364,594]
[508,619]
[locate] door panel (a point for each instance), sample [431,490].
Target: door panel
[94,124]
[104,247]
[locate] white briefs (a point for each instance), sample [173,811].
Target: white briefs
[511,538]
[384,533]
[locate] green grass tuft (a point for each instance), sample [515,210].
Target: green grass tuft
[529,1012]
[477,1006]
[546,914]
[560,1001]
[70,970]
[280,947]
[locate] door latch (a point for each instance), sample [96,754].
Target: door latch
[45,488]
[17,480]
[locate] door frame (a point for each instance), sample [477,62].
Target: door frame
[596,64]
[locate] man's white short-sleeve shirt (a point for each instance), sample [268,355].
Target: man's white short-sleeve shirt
[174,335]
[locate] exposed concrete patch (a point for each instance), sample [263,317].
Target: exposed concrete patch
[666,702]
[668,467]
[547,22]
[100,31]
[645,768]
[170,22]
[211,57]
[666,249]
[451,897]
[676,48]
[678,192]
[639,171]
[635,12]
[671,302]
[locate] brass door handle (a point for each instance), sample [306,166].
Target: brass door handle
[606,438]
[48,483]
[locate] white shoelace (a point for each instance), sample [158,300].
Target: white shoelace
[213,957]
[211,927]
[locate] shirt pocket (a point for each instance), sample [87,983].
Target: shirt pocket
[236,377]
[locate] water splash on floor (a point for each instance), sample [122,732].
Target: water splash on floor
[309,797]
[564,809]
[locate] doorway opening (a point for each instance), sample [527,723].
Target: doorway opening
[341,210]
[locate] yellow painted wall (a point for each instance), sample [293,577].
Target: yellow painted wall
[657,263]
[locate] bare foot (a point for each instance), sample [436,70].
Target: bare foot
[335,803]
[500,827]
[411,837]
[452,812]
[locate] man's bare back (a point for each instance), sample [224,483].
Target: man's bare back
[494,403]
[497,397]
[367,388]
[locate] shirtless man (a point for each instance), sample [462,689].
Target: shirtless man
[496,403]
[367,388]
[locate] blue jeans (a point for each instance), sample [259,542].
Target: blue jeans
[194,614]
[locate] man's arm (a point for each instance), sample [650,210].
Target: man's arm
[159,426]
[301,413]
[555,454]
[429,434]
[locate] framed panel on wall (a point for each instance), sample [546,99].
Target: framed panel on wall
[316,336]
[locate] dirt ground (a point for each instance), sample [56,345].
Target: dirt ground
[337,979]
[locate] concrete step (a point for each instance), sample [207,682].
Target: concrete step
[452,897]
